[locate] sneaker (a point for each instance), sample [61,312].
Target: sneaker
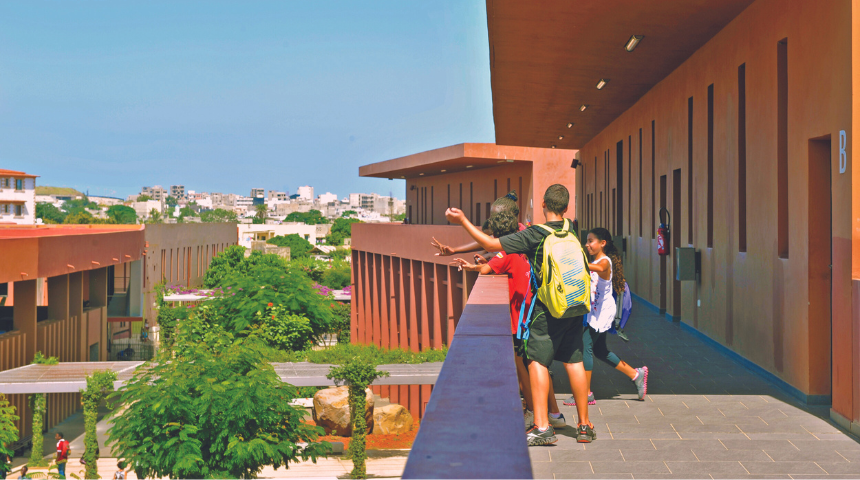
[559,422]
[530,418]
[622,335]
[585,434]
[571,402]
[537,438]
[641,382]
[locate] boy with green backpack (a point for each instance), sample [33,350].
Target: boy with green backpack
[555,323]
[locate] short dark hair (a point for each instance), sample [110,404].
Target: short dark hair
[60,434]
[556,198]
[503,223]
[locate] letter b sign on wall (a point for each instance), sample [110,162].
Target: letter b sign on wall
[843,158]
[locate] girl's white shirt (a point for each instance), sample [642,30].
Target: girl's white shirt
[602,303]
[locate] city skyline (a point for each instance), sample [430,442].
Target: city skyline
[109,98]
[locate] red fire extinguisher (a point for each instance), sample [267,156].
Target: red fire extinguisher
[663,233]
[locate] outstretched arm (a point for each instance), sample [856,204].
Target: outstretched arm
[488,243]
[447,250]
[461,264]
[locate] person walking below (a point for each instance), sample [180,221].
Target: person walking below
[62,454]
[607,275]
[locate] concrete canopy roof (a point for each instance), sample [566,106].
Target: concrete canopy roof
[546,59]
[462,157]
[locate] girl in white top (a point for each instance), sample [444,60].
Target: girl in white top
[607,275]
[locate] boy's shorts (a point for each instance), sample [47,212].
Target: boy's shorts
[553,338]
[518,344]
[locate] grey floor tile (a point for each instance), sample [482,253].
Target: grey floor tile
[651,475]
[594,475]
[643,435]
[841,468]
[695,468]
[828,477]
[722,455]
[562,467]
[624,445]
[587,455]
[664,455]
[807,455]
[630,467]
[756,468]
[539,454]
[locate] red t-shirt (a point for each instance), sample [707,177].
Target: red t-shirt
[62,450]
[519,282]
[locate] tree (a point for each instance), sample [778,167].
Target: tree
[122,214]
[213,408]
[251,291]
[219,215]
[154,216]
[80,217]
[143,198]
[262,211]
[99,385]
[338,275]
[349,213]
[170,200]
[49,213]
[38,404]
[399,217]
[299,247]
[223,264]
[341,229]
[312,217]
[358,373]
[8,432]
[72,206]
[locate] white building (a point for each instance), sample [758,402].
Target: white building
[155,193]
[143,209]
[249,233]
[326,198]
[17,197]
[306,192]
[258,192]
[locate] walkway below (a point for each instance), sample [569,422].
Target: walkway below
[706,416]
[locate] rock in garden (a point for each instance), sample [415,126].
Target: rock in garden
[392,419]
[331,411]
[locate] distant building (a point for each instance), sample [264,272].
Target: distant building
[306,192]
[144,209]
[258,192]
[17,197]
[106,200]
[327,198]
[177,191]
[275,195]
[155,193]
[249,233]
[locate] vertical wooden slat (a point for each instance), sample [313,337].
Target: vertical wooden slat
[414,301]
[382,300]
[439,307]
[424,317]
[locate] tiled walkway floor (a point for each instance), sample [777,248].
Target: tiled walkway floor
[706,416]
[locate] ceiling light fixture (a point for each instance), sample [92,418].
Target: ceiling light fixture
[468,166]
[420,174]
[553,146]
[583,107]
[569,125]
[602,83]
[443,171]
[634,40]
[561,137]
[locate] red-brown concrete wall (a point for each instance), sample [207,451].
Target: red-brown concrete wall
[753,302]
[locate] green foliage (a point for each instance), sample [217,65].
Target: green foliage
[99,385]
[122,214]
[143,198]
[219,215]
[358,373]
[186,211]
[299,247]
[154,217]
[341,353]
[8,431]
[341,229]
[284,330]
[223,264]
[399,217]
[38,404]
[246,293]
[79,217]
[170,200]
[342,321]
[72,206]
[312,267]
[313,217]
[337,276]
[349,213]
[341,254]
[215,409]
[262,211]
[49,213]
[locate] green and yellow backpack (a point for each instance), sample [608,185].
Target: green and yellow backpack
[566,285]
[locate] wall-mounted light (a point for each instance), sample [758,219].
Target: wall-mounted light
[602,83]
[553,146]
[634,40]
[583,107]
[570,125]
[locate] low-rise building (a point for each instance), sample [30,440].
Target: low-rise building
[17,197]
[249,233]
[156,192]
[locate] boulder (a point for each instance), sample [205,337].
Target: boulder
[331,411]
[392,420]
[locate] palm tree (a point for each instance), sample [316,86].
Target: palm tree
[154,216]
[262,212]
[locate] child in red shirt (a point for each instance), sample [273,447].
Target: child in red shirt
[516,267]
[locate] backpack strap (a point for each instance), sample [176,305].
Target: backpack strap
[545,227]
[523,326]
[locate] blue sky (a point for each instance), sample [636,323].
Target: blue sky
[226,96]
